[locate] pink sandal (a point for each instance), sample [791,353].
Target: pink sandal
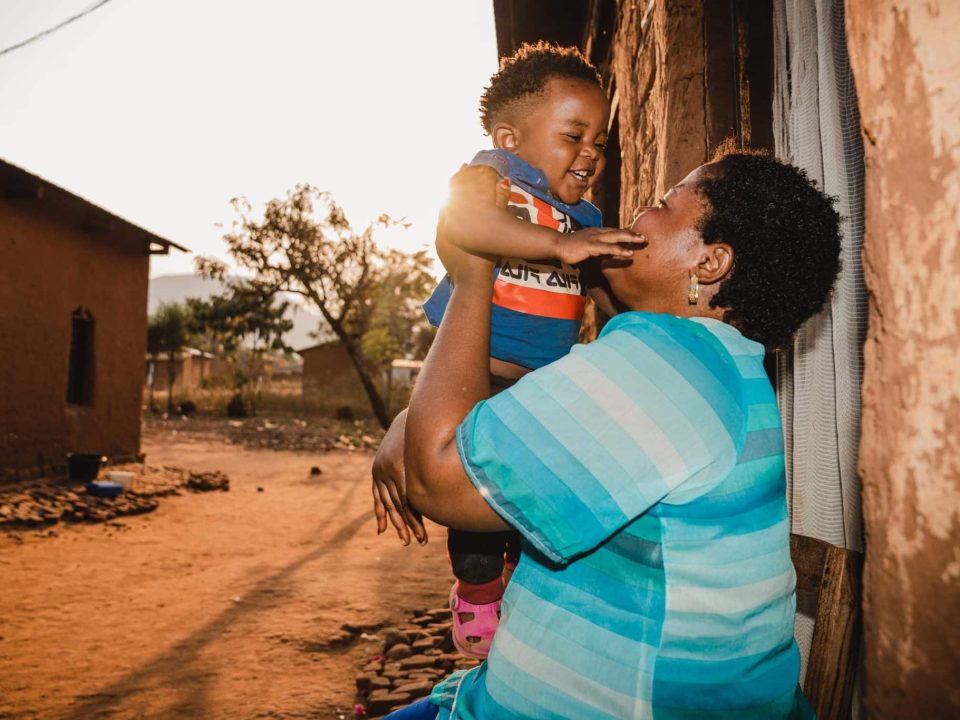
[473,625]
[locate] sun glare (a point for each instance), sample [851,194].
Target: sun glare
[162,112]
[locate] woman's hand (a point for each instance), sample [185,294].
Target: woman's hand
[389,486]
[477,186]
[472,190]
[462,266]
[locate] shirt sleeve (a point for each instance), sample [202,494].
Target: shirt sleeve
[436,305]
[582,447]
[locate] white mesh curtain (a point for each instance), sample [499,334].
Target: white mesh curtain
[817,127]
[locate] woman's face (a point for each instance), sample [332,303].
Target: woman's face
[657,277]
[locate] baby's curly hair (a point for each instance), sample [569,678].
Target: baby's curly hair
[526,72]
[785,236]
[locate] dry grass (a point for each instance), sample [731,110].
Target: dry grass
[285,398]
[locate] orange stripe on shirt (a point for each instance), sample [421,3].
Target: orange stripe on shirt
[534,301]
[518,199]
[545,213]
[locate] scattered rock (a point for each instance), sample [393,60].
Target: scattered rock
[416,661]
[45,502]
[382,701]
[388,686]
[368,682]
[417,689]
[446,643]
[399,652]
[364,684]
[208,481]
[427,643]
[393,636]
[342,638]
[393,666]
[316,471]
[361,629]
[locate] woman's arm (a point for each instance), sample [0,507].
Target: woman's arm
[455,377]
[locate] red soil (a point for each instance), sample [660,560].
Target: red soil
[217,605]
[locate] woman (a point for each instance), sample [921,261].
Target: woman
[644,470]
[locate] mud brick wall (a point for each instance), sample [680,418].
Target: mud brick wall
[52,266]
[906,61]
[658,61]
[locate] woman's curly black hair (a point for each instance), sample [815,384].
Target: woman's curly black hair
[785,236]
[526,72]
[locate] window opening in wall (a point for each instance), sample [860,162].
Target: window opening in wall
[80,374]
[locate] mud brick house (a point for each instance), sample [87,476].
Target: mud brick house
[73,326]
[865,96]
[191,367]
[322,364]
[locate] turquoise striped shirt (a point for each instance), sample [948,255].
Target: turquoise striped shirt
[645,472]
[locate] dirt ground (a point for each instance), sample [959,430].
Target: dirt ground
[217,605]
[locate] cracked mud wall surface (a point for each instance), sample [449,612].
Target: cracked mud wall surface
[906,60]
[658,62]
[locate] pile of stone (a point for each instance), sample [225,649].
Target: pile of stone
[415,656]
[208,482]
[41,503]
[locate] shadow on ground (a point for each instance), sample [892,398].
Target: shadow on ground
[179,666]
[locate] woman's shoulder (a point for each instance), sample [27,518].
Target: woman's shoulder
[683,331]
[704,351]
[639,321]
[673,328]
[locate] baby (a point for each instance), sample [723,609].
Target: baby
[547,115]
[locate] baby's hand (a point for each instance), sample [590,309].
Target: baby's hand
[593,242]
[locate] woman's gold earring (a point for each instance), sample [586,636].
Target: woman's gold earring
[693,293]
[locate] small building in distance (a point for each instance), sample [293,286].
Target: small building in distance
[73,326]
[403,372]
[284,368]
[196,369]
[322,364]
[191,367]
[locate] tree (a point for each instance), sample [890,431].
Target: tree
[397,325]
[244,323]
[168,332]
[369,298]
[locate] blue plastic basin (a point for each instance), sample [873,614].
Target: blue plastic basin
[104,488]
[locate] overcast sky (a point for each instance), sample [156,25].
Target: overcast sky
[161,111]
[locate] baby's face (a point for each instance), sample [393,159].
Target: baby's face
[564,133]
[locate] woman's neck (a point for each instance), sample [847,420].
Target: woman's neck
[680,309]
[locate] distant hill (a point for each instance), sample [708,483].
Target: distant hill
[177,288]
